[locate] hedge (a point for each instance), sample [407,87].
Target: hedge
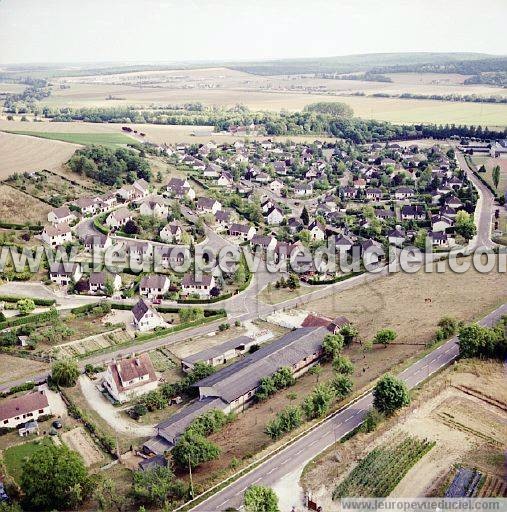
[205,301]
[11,225]
[28,319]
[37,302]
[336,279]
[108,443]
[98,225]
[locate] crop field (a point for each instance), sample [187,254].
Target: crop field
[20,153]
[12,370]
[85,139]
[461,411]
[382,469]
[227,87]
[489,163]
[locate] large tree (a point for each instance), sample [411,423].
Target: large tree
[259,498]
[65,372]
[157,486]
[385,336]
[194,449]
[317,403]
[54,477]
[389,394]
[332,345]
[496,175]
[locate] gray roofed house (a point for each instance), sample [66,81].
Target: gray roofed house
[169,430]
[236,384]
[219,354]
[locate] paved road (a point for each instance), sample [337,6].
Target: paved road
[332,429]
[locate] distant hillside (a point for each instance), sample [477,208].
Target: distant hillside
[386,62]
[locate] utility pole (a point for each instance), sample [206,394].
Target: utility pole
[191,482]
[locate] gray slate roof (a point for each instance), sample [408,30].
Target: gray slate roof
[244,375]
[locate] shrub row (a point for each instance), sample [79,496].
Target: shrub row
[12,225]
[36,301]
[336,279]
[106,442]
[37,317]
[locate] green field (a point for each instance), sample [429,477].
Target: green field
[382,469]
[86,139]
[16,455]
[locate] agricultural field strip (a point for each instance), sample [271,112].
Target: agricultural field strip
[445,353]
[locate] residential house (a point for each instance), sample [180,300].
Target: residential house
[317,230]
[303,189]
[404,193]
[98,242]
[145,317]
[86,205]
[154,207]
[117,219]
[61,215]
[413,212]
[373,194]
[225,179]
[142,187]
[267,242]
[441,223]
[208,205]
[98,280]
[243,231]
[129,378]
[57,235]
[202,286]
[396,236]
[171,233]
[22,409]
[154,286]
[276,186]
[223,219]
[212,171]
[274,216]
[64,273]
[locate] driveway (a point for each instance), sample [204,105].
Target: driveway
[111,414]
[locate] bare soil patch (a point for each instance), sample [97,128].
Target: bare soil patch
[14,368]
[21,153]
[78,441]
[18,207]
[399,301]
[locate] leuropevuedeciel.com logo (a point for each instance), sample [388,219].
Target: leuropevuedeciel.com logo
[421,504]
[323,263]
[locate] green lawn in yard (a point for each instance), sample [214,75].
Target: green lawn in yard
[16,455]
[86,139]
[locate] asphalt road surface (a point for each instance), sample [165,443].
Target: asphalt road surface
[334,428]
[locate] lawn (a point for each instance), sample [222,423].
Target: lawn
[86,139]
[16,455]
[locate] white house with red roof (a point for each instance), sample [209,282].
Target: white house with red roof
[19,410]
[128,378]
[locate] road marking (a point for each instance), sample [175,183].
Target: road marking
[270,471]
[302,449]
[223,503]
[313,442]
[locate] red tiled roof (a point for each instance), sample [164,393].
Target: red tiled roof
[23,405]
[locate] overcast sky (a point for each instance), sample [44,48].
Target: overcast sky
[178,30]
